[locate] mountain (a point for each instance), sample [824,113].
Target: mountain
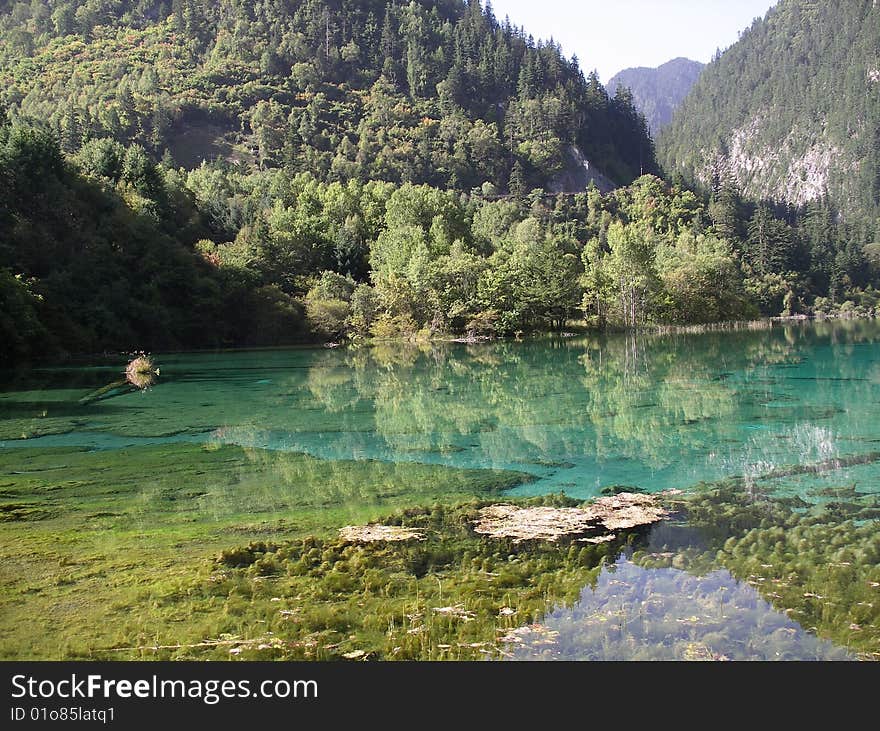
[191,174]
[434,91]
[791,112]
[658,92]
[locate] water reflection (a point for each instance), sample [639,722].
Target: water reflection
[580,414]
[734,578]
[636,613]
[789,413]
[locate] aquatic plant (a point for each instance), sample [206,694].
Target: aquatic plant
[107,549]
[108,555]
[820,564]
[450,594]
[378,534]
[141,371]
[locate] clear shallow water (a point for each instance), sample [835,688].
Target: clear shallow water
[792,410]
[634,613]
[693,610]
[579,414]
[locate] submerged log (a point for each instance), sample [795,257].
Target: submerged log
[140,374]
[117,388]
[829,465]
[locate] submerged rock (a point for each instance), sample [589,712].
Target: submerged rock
[597,520]
[627,510]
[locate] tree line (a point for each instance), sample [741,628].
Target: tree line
[107,249]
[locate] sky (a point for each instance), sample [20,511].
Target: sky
[612,35]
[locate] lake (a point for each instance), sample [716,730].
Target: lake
[113,506]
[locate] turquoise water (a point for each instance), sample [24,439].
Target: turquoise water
[580,414]
[789,411]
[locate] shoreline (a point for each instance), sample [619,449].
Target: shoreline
[767,323]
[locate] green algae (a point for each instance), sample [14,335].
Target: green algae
[829,465]
[195,552]
[105,545]
[456,595]
[453,595]
[611,490]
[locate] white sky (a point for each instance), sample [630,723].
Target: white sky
[612,35]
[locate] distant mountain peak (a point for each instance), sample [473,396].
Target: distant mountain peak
[658,92]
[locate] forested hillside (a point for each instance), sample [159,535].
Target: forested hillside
[436,92]
[192,174]
[658,92]
[791,112]
[95,254]
[108,250]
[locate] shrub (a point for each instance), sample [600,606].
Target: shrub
[327,317]
[388,327]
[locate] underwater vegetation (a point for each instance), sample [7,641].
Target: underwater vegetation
[114,509]
[819,564]
[447,593]
[237,553]
[102,549]
[753,578]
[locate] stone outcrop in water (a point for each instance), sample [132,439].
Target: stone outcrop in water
[594,523]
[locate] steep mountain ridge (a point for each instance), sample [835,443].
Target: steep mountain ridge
[658,92]
[791,112]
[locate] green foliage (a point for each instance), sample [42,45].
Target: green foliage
[21,331]
[102,259]
[791,111]
[660,262]
[275,256]
[328,305]
[702,282]
[339,138]
[102,158]
[349,89]
[394,327]
[365,306]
